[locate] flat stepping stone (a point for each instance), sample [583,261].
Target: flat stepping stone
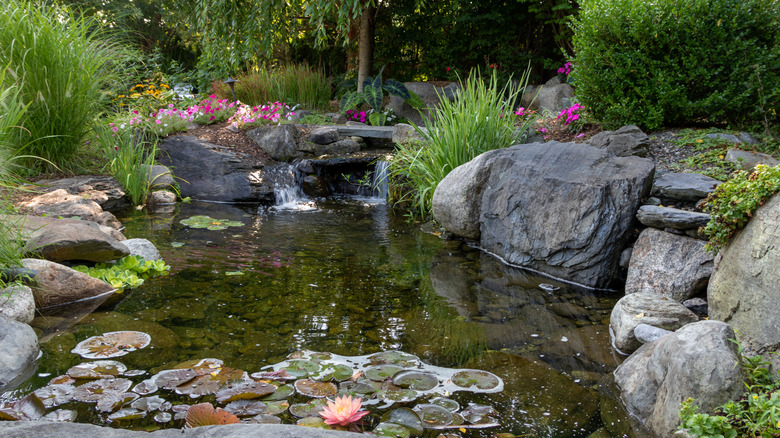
[684,186]
[381,132]
[666,217]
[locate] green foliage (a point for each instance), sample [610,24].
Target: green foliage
[61,64]
[130,160]
[733,202]
[128,272]
[372,95]
[756,414]
[293,84]
[676,61]
[476,121]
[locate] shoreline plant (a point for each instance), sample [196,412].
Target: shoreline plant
[130,160]
[479,119]
[62,64]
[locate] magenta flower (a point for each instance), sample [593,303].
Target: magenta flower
[343,411]
[157,121]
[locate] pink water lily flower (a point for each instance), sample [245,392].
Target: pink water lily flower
[343,411]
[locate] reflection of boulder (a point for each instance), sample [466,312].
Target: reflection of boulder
[584,348]
[544,402]
[55,319]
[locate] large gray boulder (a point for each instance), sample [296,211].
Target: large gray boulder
[561,208]
[743,290]
[18,351]
[699,360]
[279,141]
[643,308]
[552,97]
[61,241]
[324,135]
[26,226]
[628,140]
[17,303]
[668,264]
[213,173]
[37,429]
[684,186]
[57,284]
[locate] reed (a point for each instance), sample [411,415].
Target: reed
[294,84]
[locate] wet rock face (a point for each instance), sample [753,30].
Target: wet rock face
[62,241]
[57,284]
[18,350]
[561,208]
[645,308]
[699,360]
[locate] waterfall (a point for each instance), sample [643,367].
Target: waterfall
[379,180]
[288,194]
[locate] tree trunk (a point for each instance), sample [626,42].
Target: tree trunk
[366,44]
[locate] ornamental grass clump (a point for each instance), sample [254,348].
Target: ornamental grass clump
[479,119]
[668,62]
[130,160]
[733,203]
[298,84]
[62,63]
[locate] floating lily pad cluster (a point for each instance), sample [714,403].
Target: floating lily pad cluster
[405,395]
[209,223]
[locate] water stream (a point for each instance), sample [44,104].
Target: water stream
[352,278]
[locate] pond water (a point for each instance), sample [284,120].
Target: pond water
[352,278]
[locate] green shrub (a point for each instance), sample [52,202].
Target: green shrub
[293,84]
[61,64]
[479,119]
[733,202]
[674,61]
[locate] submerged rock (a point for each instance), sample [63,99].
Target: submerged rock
[564,209]
[699,360]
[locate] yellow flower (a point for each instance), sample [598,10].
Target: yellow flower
[755,396]
[164,86]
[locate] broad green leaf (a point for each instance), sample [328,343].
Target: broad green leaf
[350,100]
[397,89]
[373,96]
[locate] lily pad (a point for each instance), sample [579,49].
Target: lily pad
[433,415]
[417,380]
[62,380]
[55,395]
[310,409]
[280,375]
[210,383]
[276,407]
[379,373]
[312,388]
[170,379]
[355,388]
[146,387]
[201,366]
[316,422]
[399,395]
[99,369]
[112,401]
[339,372]
[244,390]
[163,417]
[112,344]
[204,414]
[404,360]
[447,403]
[300,368]
[319,356]
[209,223]
[126,414]
[468,379]
[27,408]
[149,404]
[406,418]
[246,408]
[480,414]
[265,419]
[60,416]
[392,430]
[281,393]
[91,392]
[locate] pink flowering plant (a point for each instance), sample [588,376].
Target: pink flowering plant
[573,117]
[248,116]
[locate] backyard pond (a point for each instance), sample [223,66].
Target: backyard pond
[323,295]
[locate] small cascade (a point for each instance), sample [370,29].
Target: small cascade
[287,188]
[379,180]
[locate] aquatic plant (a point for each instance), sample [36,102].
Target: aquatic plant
[204,414]
[112,344]
[343,411]
[209,223]
[127,272]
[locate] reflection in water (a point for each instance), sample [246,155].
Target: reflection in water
[353,279]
